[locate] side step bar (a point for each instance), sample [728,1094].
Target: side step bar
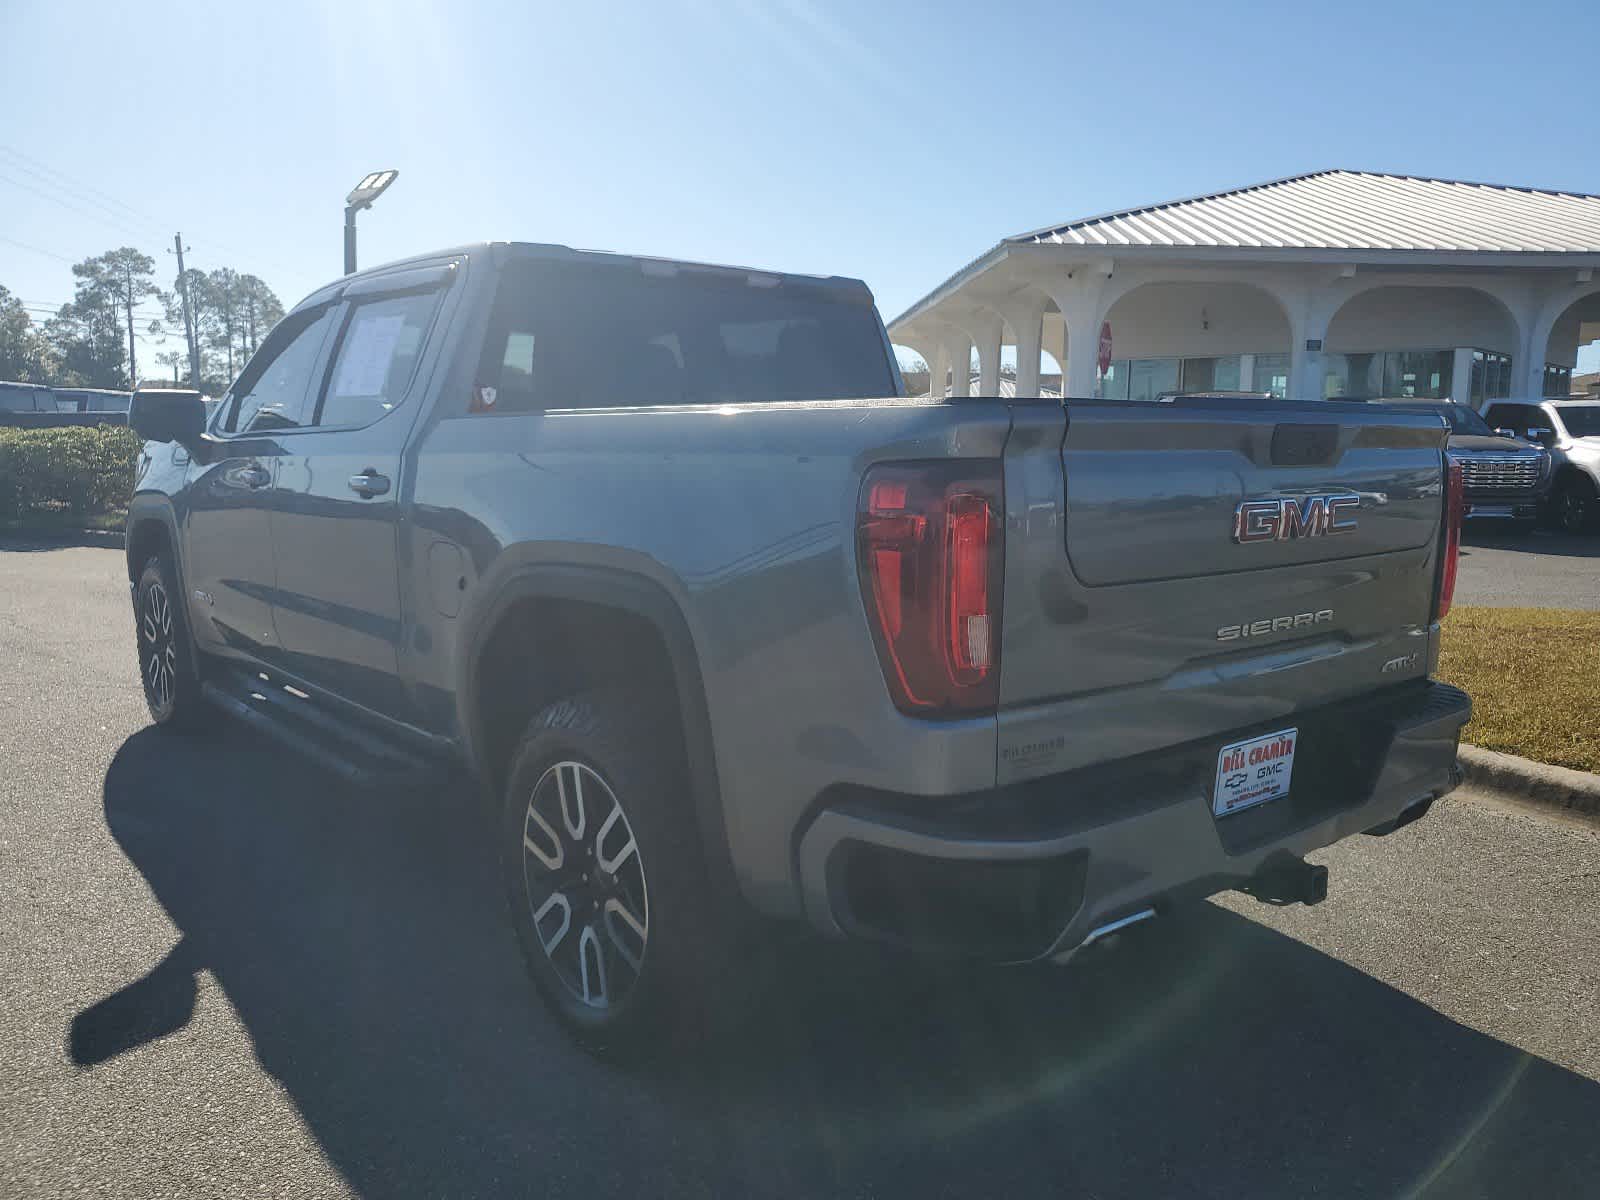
[357,755]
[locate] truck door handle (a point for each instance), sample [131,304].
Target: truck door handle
[369,484]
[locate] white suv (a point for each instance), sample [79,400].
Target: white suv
[1570,430]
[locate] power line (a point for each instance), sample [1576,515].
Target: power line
[37,166]
[37,250]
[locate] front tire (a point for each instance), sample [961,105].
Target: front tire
[1576,508]
[166,658]
[602,866]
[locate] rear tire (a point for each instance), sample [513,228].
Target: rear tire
[601,860]
[167,665]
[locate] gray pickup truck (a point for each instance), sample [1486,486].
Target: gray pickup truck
[725,624]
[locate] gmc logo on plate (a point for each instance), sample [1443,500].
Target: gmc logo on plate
[1281,518]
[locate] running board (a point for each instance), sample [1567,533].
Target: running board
[357,755]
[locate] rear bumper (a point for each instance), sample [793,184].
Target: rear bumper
[1031,871]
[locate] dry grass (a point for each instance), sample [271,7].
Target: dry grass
[1534,678]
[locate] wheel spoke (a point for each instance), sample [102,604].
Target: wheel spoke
[551,941]
[552,854]
[575,824]
[612,863]
[619,922]
[590,952]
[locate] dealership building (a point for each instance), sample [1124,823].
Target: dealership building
[1339,283]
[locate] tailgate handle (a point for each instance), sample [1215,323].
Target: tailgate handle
[1304,445]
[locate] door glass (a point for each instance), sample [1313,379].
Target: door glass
[1272,374]
[272,391]
[377,356]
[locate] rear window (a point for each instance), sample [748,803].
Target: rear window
[584,336]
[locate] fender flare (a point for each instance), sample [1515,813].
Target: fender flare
[639,596]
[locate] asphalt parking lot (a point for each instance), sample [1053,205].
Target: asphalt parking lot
[220,973]
[1542,569]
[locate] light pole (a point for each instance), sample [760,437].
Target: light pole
[368,190]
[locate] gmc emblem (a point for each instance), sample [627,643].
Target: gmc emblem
[1280,519]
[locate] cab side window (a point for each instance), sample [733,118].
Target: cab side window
[377,356]
[273,391]
[1516,417]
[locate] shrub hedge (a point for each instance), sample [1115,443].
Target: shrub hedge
[83,470]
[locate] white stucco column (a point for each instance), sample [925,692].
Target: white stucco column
[1308,325]
[1079,299]
[959,347]
[1461,375]
[938,364]
[1025,321]
[989,333]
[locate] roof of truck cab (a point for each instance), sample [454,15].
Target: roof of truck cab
[555,252]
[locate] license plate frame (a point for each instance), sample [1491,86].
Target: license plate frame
[1254,771]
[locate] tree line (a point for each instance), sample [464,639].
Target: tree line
[93,340]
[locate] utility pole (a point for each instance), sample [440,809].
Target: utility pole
[188,320]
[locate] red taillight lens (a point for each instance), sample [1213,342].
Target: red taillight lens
[1454,509]
[930,545]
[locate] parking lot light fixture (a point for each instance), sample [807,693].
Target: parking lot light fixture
[369,189]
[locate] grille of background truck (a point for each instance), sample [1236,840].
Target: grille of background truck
[1499,474]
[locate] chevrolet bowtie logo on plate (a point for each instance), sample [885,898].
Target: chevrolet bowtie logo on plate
[1281,518]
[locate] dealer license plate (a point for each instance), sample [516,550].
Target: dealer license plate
[1254,771]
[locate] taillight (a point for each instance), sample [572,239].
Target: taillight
[930,541]
[1454,508]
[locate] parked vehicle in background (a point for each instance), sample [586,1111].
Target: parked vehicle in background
[1570,431]
[26,398]
[91,400]
[1503,478]
[725,623]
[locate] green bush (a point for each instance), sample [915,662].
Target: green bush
[83,470]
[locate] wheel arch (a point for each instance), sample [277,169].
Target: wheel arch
[633,597]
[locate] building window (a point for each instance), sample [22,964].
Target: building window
[1418,373]
[1146,378]
[1557,380]
[1272,374]
[1210,374]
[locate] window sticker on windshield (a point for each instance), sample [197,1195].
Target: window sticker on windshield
[368,351]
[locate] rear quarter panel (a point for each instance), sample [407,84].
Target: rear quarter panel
[744,516]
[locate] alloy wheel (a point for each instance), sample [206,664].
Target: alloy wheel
[1574,510]
[585,885]
[160,648]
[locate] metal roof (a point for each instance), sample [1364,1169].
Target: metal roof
[1352,210]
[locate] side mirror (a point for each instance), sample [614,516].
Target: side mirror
[168,415]
[1502,431]
[1542,434]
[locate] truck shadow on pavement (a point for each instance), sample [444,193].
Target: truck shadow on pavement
[363,943]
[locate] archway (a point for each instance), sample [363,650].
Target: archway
[1574,335]
[1401,340]
[1191,335]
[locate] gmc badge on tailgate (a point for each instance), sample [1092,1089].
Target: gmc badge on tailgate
[1281,518]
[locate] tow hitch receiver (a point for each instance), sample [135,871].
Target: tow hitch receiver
[1293,882]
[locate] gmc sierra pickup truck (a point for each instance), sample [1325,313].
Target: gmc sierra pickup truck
[724,623]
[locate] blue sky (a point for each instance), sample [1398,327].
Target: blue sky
[881,138]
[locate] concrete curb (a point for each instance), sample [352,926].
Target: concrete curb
[1535,784]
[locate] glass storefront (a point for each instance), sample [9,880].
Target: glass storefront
[1557,380]
[1271,375]
[1406,374]
[1491,377]
[1146,378]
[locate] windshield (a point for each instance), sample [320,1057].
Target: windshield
[1464,420]
[1582,421]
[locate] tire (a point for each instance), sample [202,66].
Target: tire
[167,667]
[604,874]
[1575,505]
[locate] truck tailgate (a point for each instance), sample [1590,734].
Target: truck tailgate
[1148,618]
